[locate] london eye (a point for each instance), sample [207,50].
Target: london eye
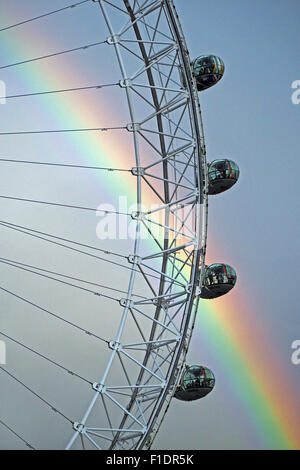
[98,326]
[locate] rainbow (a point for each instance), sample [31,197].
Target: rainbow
[227,327]
[253,369]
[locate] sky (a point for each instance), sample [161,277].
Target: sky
[245,337]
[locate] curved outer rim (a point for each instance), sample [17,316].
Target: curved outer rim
[191,305]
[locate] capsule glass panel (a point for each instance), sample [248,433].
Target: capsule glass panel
[208,70]
[218,280]
[196,383]
[222,175]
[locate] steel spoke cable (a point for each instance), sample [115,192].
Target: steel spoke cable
[45,357]
[68,165]
[55,54]
[65,90]
[54,315]
[36,394]
[69,277]
[17,435]
[99,294]
[44,15]
[15,226]
[82,252]
[68,247]
[68,206]
[53,131]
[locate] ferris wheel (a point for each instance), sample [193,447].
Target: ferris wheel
[120,313]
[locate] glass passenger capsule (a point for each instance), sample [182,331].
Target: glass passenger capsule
[222,174]
[196,382]
[218,280]
[208,70]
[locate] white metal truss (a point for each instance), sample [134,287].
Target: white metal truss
[127,406]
